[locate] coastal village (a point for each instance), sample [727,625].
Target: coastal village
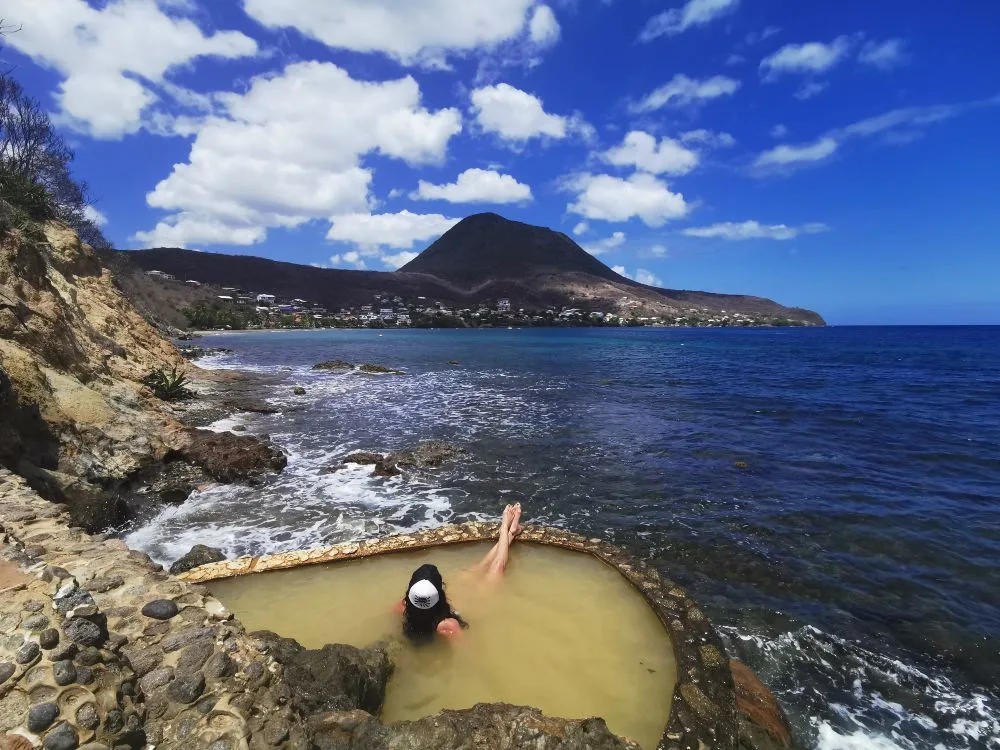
[237,308]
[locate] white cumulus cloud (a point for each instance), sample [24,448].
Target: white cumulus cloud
[682,91]
[95,216]
[708,138]
[753,230]
[600,247]
[396,260]
[641,276]
[291,148]
[693,13]
[476,186]
[884,55]
[581,228]
[113,57]
[399,231]
[609,198]
[641,151]
[516,115]
[544,28]
[811,57]
[422,32]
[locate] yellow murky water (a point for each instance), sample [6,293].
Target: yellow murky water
[563,632]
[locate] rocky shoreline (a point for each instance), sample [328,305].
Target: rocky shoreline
[99,647]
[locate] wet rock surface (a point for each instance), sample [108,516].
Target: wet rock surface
[199,554]
[336,677]
[231,458]
[120,678]
[486,726]
[428,455]
[763,724]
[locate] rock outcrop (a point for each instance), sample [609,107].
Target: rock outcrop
[428,455]
[75,418]
[199,554]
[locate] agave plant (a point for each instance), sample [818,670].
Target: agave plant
[168,386]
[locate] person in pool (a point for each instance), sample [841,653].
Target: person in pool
[425,607]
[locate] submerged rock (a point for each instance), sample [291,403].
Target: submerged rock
[299,391]
[762,724]
[199,554]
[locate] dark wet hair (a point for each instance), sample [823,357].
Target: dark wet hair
[419,625]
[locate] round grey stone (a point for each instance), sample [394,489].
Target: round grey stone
[6,670]
[36,622]
[28,653]
[84,675]
[114,721]
[64,673]
[86,716]
[187,688]
[194,656]
[160,609]
[156,678]
[219,666]
[40,717]
[66,651]
[48,638]
[63,737]
[84,632]
[90,656]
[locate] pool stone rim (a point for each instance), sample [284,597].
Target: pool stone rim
[703,710]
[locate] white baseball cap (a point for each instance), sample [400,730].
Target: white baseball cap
[423,594]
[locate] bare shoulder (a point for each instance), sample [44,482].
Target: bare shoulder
[449,627]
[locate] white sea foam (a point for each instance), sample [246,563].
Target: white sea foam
[949,717]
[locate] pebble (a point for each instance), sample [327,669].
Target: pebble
[175,641]
[68,651]
[84,632]
[194,656]
[145,661]
[84,675]
[160,609]
[89,656]
[36,622]
[187,688]
[63,737]
[64,673]
[87,717]
[6,670]
[48,639]
[105,583]
[219,666]
[40,717]
[28,653]
[156,678]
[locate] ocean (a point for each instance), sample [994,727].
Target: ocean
[830,496]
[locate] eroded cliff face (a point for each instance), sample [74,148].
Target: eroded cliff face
[74,416]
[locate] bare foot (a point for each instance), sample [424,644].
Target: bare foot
[515,522]
[506,518]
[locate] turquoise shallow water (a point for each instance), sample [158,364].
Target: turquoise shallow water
[832,496]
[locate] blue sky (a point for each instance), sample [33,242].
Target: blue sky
[841,156]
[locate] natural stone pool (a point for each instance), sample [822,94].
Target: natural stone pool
[563,632]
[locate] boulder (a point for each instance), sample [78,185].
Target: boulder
[763,724]
[334,365]
[199,554]
[363,457]
[379,370]
[486,726]
[429,455]
[229,457]
[336,677]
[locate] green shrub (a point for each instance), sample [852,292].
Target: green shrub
[168,386]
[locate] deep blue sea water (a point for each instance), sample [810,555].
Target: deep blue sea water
[831,496]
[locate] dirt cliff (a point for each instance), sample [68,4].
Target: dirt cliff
[75,419]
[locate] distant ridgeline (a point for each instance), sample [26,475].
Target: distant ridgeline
[486,270]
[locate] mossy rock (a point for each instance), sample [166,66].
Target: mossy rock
[379,370]
[300,391]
